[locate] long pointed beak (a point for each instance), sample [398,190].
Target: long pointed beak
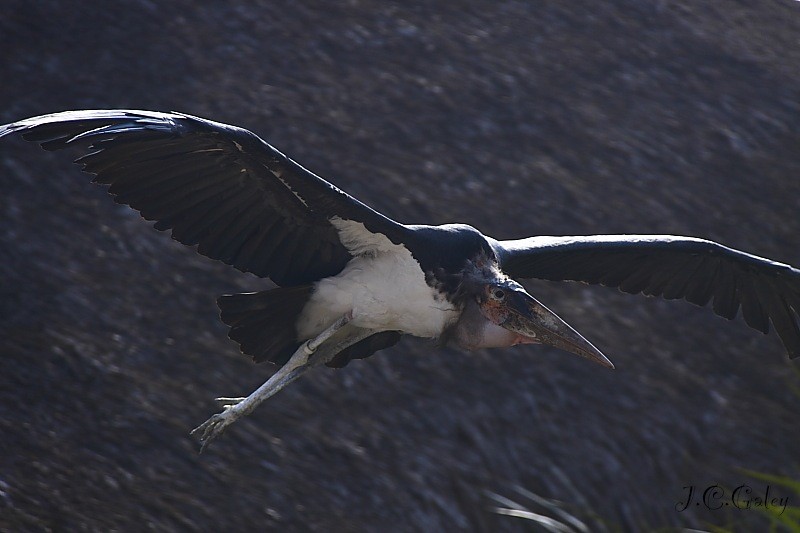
[530,318]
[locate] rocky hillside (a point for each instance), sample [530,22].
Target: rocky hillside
[519,118]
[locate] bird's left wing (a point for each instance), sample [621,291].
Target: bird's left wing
[672,267]
[216,186]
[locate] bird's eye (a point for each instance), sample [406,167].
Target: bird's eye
[498,294]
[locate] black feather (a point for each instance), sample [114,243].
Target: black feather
[364,348]
[669,266]
[265,323]
[173,167]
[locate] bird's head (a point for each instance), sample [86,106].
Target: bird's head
[505,303]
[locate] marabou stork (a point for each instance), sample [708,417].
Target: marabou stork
[352,281]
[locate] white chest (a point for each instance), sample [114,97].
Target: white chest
[385,292]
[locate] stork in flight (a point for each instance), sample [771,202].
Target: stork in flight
[352,281]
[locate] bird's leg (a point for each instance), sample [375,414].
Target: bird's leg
[299,359]
[307,356]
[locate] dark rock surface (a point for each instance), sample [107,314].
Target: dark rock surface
[516,117]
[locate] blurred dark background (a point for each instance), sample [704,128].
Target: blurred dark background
[519,118]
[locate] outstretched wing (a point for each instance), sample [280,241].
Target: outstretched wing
[673,267]
[215,186]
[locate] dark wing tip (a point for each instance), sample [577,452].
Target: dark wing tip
[697,270]
[57,130]
[216,186]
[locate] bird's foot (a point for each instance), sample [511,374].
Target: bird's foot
[236,408]
[298,364]
[216,425]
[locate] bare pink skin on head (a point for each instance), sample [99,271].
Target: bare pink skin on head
[478,327]
[500,337]
[505,315]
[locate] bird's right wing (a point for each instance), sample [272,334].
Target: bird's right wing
[672,267]
[216,186]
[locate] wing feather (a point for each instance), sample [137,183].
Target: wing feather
[216,186]
[696,270]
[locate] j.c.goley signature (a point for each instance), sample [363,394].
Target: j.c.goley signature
[715,497]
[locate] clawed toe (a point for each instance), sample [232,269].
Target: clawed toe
[296,366]
[229,402]
[212,428]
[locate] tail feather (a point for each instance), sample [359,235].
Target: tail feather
[265,323]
